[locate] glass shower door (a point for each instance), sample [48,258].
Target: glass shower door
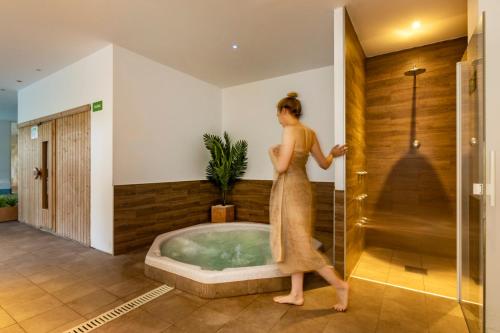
[472,182]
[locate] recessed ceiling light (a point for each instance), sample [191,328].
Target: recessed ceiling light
[416,25]
[38,70]
[234,46]
[19,81]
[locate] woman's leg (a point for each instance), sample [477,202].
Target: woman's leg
[296,296]
[342,287]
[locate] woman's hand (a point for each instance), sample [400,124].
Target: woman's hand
[274,150]
[338,150]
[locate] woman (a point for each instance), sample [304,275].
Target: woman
[292,210]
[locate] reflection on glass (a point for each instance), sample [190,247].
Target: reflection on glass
[472,164]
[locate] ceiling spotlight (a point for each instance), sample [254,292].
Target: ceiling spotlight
[234,46]
[19,81]
[416,25]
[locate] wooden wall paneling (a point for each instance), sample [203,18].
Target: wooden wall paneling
[324,199]
[339,233]
[355,108]
[412,192]
[251,198]
[73,177]
[143,211]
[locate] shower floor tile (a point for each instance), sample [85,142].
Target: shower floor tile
[428,273]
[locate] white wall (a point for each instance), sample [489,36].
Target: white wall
[249,113]
[160,117]
[492,107]
[84,82]
[339,93]
[492,8]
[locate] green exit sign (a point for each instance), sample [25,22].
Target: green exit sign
[97,106]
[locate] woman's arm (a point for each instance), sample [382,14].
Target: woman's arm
[281,157]
[326,161]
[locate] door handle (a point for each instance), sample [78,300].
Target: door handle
[37,173]
[490,187]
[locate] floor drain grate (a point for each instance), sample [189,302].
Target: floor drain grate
[119,311]
[414,269]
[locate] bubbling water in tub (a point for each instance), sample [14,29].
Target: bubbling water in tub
[217,250]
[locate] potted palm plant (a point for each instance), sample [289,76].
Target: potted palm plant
[8,208]
[227,165]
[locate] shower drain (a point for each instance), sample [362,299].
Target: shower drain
[119,311]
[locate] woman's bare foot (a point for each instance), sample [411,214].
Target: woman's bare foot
[289,299]
[343,297]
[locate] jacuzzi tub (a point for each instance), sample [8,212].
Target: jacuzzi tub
[208,283]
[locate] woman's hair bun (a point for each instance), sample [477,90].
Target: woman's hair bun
[291,103]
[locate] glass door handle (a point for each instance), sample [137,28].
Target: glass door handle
[490,186]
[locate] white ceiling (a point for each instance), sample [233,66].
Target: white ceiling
[275,37]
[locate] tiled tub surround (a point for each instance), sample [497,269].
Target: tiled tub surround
[144,211]
[211,283]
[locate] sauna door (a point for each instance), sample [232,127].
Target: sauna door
[36,175]
[46,179]
[54,175]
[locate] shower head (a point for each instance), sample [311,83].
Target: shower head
[415,71]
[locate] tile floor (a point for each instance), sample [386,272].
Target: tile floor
[48,284]
[386,265]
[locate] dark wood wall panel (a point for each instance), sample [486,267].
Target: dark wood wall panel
[251,198]
[339,232]
[411,192]
[355,139]
[143,211]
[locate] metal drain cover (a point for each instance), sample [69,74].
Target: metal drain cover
[417,270]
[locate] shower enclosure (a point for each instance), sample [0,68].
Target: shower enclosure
[407,180]
[471,191]
[412,211]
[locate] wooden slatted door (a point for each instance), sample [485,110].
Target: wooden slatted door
[73,177]
[54,174]
[36,177]
[46,179]
[28,185]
